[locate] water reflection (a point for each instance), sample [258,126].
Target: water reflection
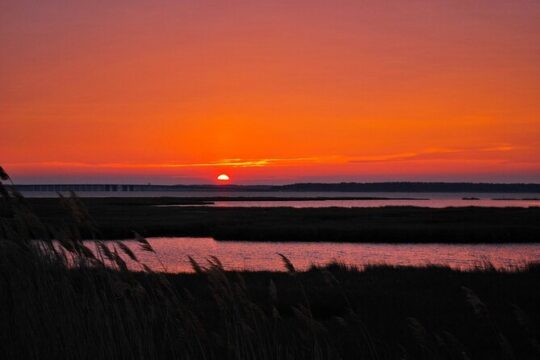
[433,203]
[173,253]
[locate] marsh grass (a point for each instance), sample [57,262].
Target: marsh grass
[117,218]
[63,300]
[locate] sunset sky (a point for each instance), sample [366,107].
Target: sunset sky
[269,91]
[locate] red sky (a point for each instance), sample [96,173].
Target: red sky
[269,92]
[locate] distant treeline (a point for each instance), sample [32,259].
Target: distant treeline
[415,187]
[447,187]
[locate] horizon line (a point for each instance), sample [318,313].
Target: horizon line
[282,185]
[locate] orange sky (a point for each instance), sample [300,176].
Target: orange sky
[181,91]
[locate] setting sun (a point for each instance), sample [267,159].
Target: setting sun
[223,177]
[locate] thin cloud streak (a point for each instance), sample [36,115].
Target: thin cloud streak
[433,154]
[429,154]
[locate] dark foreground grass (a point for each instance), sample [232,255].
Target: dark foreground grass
[118,217]
[332,312]
[66,302]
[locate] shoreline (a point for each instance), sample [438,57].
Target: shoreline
[209,199]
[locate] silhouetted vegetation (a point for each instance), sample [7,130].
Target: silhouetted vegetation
[58,300]
[118,217]
[326,313]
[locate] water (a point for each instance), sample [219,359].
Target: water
[435,200]
[432,203]
[241,255]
